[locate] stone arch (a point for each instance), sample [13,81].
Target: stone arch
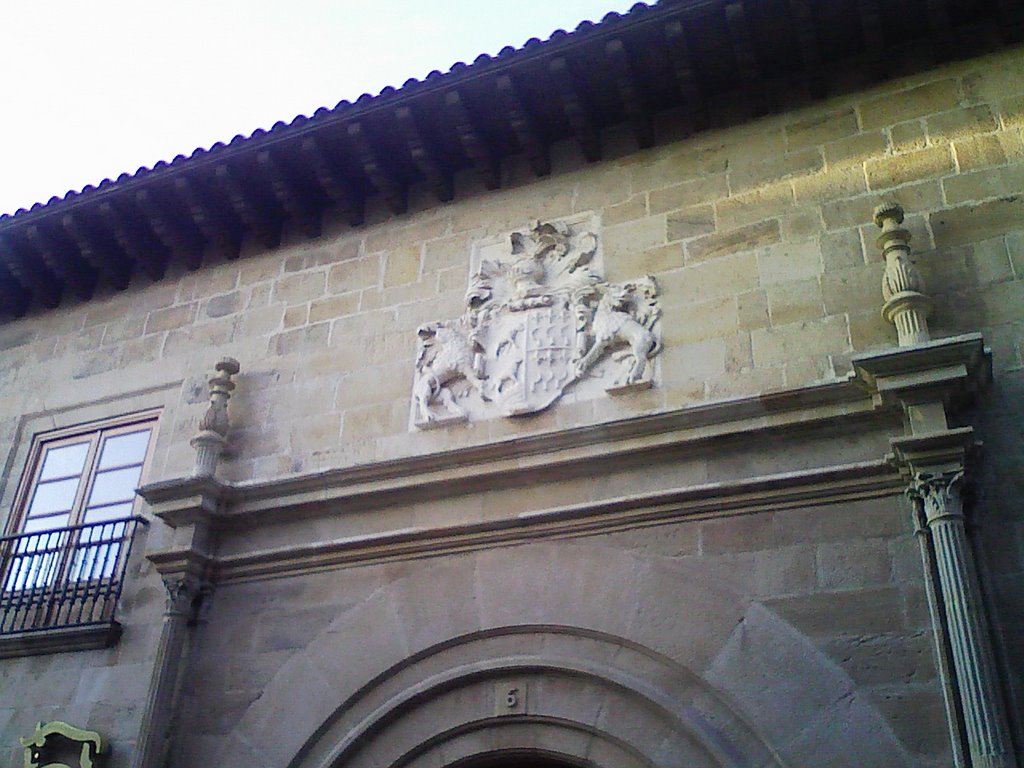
[748,689]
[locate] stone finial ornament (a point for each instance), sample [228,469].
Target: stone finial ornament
[59,745]
[906,305]
[209,442]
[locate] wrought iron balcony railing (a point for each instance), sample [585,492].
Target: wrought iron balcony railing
[64,578]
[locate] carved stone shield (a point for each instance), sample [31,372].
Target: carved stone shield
[530,356]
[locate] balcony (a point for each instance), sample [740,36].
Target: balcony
[60,587]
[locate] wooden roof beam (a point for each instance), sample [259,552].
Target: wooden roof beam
[874,38]
[810,50]
[633,101]
[62,258]
[302,205]
[136,238]
[217,225]
[523,126]
[575,110]
[261,217]
[14,298]
[746,58]
[178,233]
[383,179]
[99,249]
[686,79]
[332,180]
[942,29]
[425,157]
[33,277]
[473,144]
[1011,20]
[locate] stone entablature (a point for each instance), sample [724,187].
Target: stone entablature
[540,319]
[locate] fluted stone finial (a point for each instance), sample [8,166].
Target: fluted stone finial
[209,442]
[906,305]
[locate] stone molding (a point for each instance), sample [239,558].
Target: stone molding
[60,640]
[536,457]
[762,494]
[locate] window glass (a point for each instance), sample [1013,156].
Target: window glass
[64,461]
[108,512]
[54,496]
[115,485]
[121,450]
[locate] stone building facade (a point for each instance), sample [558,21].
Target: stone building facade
[793,538]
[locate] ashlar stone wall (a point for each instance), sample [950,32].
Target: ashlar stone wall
[761,239]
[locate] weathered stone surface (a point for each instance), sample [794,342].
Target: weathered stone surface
[734,241]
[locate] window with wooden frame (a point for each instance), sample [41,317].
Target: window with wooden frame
[69,535]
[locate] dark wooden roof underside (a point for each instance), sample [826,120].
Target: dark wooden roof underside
[676,57]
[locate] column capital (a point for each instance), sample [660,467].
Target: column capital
[183,593]
[940,494]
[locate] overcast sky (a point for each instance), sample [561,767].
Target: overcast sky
[94,89]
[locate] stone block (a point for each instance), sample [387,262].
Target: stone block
[928,99]
[370,421]
[747,175]
[225,304]
[859,211]
[887,172]
[784,343]
[851,290]
[170,318]
[849,612]
[733,241]
[738,533]
[989,262]
[260,322]
[690,222]
[1003,77]
[354,275]
[853,564]
[910,136]
[821,128]
[830,185]
[854,150]
[634,207]
[982,185]
[978,152]
[700,191]
[401,266]
[655,260]
[794,301]
[768,202]
[842,249]
[752,310]
[961,123]
[333,307]
[622,241]
[700,321]
[300,287]
[972,223]
[296,316]
[917,714]
[786,262]
[802,224]
[697,360]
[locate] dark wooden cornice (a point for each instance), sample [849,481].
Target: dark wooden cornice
[679,57]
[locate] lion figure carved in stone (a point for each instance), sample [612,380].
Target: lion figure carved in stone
[447,353]
[625,316]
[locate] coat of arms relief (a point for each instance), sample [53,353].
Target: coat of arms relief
[541,323]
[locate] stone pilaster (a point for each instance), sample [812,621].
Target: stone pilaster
[939,496]
[184,591]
